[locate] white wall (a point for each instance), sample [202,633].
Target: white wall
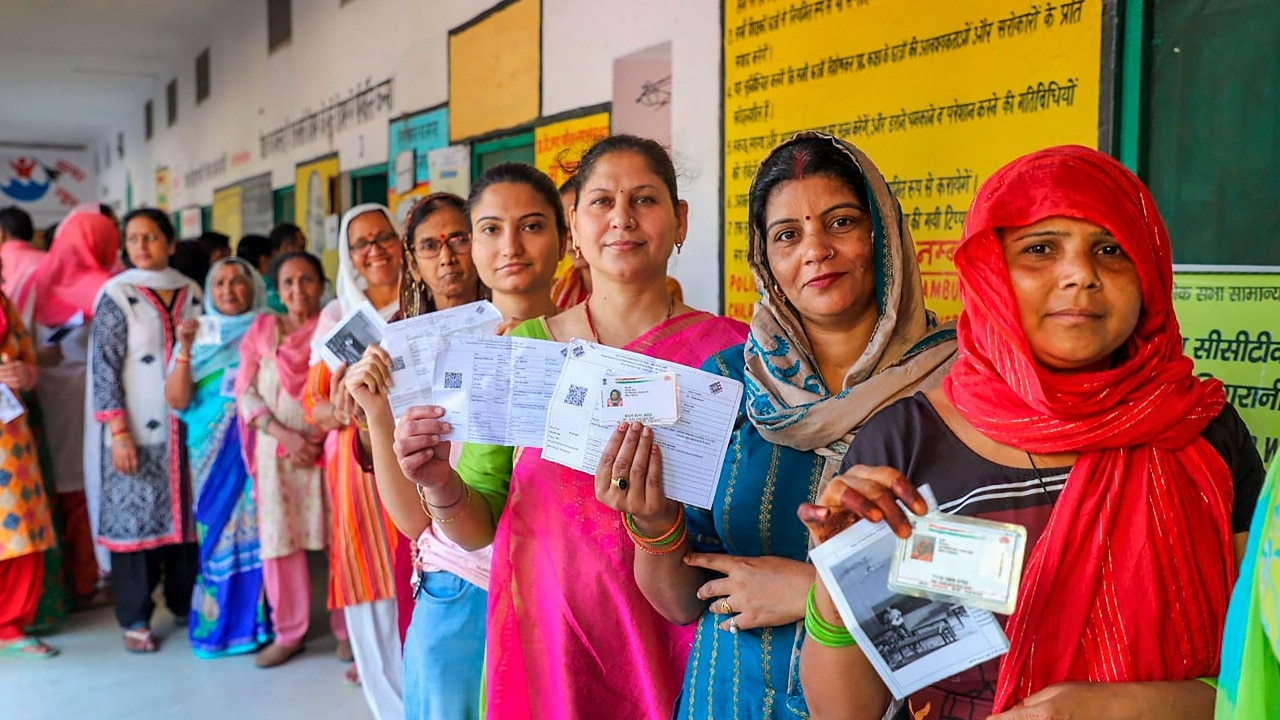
[335,47]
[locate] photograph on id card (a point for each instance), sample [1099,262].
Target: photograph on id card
[963,560]
[648,399]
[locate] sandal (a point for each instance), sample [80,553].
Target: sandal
[352,676]
[140,641]
[29,648]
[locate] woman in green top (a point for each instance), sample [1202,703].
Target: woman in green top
[569,628]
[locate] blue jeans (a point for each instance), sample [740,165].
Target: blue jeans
[444,650]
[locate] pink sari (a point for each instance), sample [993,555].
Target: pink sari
[569,631]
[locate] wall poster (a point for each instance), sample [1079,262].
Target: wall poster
[315,198]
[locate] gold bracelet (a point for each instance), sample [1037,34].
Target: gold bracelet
[465,500]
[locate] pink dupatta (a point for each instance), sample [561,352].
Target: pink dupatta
[570,633]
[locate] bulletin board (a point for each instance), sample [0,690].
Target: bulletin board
[939,94]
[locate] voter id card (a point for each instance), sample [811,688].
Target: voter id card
[209,332]
[961,560]
[648,399]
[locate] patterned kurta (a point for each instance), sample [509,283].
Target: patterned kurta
[748,676]
[133,341]
[26,523]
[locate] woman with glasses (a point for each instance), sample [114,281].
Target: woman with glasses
[444,642]
[145,508]
[361,550]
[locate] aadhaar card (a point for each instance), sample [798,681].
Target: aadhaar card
[648,399]
[962,560]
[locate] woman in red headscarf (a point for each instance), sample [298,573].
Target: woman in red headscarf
[56,301]
[1072,411]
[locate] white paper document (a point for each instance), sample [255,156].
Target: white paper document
[495,389]
[11,408]
[911,642]
[209,331]
[357,330]
[413,344]
[693,448]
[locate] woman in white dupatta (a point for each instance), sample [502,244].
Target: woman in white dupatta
[134,463]
[363,540]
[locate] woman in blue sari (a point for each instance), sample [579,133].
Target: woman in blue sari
[228,608]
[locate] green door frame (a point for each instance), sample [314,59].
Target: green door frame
[503,143]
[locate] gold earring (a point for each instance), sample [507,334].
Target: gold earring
[577,251]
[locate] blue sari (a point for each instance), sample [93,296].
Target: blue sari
[228,607]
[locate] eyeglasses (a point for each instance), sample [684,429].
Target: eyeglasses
[431,247]
[384,241]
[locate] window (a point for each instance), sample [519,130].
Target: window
[149,118]
[171,101]
[202,76]
[279,24]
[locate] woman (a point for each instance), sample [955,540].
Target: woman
[283,451]
[145,515]
[573,279]
[834,338]
[26,532]
[444,642]
[575,649]
[1249,683]
[228,615]
[363,539]
[1071,407]
[57,303]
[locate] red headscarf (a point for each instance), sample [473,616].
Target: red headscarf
[1130,580]
[69,278]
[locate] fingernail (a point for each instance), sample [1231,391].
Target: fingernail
[622,427]
[822,513]
[653,449]
[647,432]
[447,428]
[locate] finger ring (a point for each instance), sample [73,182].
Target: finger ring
[725,609]
[620,483]
[733,626]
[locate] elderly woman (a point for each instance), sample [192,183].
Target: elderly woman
[228,613]
[834,338]
[283,451]
[362,581]
[146,495]
[1071,407]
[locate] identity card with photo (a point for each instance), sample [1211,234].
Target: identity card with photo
[912,642]
[962,560]
[649,399]
[209,331]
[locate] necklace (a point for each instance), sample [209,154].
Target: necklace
[595,336]
[1040,479]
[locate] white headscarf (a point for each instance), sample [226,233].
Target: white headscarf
[351,287]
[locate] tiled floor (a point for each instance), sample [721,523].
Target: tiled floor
[94,679]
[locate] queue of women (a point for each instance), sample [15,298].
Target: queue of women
[484,581]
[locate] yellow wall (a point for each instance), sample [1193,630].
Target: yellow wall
[505,50]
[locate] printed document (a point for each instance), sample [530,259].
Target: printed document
[413,344]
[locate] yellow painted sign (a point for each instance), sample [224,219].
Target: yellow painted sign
[226,212]
[314,190]
[1231,330]
[162,188]
[495,65]
[558,146]
[938,93]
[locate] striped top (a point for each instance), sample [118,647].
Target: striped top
[910,436]
[363,538]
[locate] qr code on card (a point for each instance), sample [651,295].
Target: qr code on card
[453,381]
[577,396]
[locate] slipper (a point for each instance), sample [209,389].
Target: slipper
[29,648]
[140,641]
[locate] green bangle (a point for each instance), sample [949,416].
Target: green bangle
[821,631]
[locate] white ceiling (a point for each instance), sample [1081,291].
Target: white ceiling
[71,70]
